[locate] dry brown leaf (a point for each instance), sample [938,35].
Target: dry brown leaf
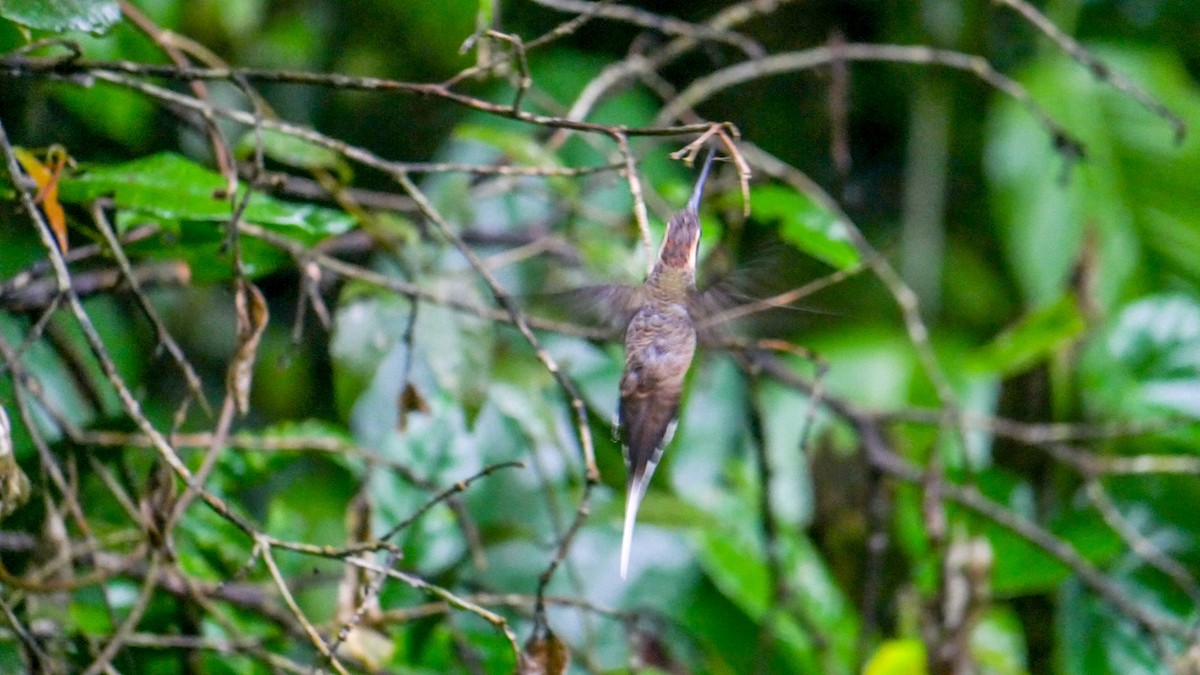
[410,400]
[14,484]
[544,653]
[252,317]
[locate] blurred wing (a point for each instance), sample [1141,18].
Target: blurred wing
[708,309]
[760,296]
[611,306]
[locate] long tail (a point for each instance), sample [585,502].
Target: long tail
[633,500]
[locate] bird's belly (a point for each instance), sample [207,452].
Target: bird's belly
[661,343]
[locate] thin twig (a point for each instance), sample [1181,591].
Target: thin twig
[664,24]
[790,62]
[518,318]
[164,335]
[1102,71]
[639,203]
[499,622]
[110,71]
[458,488]
[264,548]
[103,660]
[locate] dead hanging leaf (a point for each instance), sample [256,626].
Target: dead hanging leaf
[46,176]
[353,603]
[650,651]
[158,504]
[374,649]
[544,653]
[410,400]
[358,597]
[14,484]
[252,317]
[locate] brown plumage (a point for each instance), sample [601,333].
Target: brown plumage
[659,344]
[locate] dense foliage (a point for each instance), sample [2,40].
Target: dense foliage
[295,374]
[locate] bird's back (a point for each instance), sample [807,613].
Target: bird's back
[659,346]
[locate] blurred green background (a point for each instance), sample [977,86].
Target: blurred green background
[1055,290]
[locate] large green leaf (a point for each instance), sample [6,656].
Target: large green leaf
[1020,567]
[737,566]
[741,576]
[804,224]
[66,383]
[1095,639]
[59,16]
[293,151]
[1033,339]
[867,353]
[712,429]
[1147,361]
[180,199]
[173,187]
[787,420]
[410,403]
[1135,189]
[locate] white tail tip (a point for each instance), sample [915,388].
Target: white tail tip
[633,500]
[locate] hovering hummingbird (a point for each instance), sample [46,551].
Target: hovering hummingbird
[660,341]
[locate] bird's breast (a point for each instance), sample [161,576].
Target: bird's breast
[661,338]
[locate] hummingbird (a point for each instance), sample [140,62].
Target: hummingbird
[660,341]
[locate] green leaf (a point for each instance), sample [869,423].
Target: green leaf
[60,16]
[738,568]
[712,428]
[446,368]
[1022,568]
[1033,339]
[59,379]
[170,186]
[1134,191]
[744,581]
[1147,361]
[786,420]
[89,614]
[726,638]
[202,246]
[1096,639]
[487,10]
[804,224]
[120,115]
[865,353]
[293,151]
[522,147]
[998,642]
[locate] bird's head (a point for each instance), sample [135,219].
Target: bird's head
[682,239]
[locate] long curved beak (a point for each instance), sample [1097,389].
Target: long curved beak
[698,191]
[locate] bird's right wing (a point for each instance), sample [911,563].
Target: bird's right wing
[609,306]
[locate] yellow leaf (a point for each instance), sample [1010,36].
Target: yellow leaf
[898,657]
[45,176]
